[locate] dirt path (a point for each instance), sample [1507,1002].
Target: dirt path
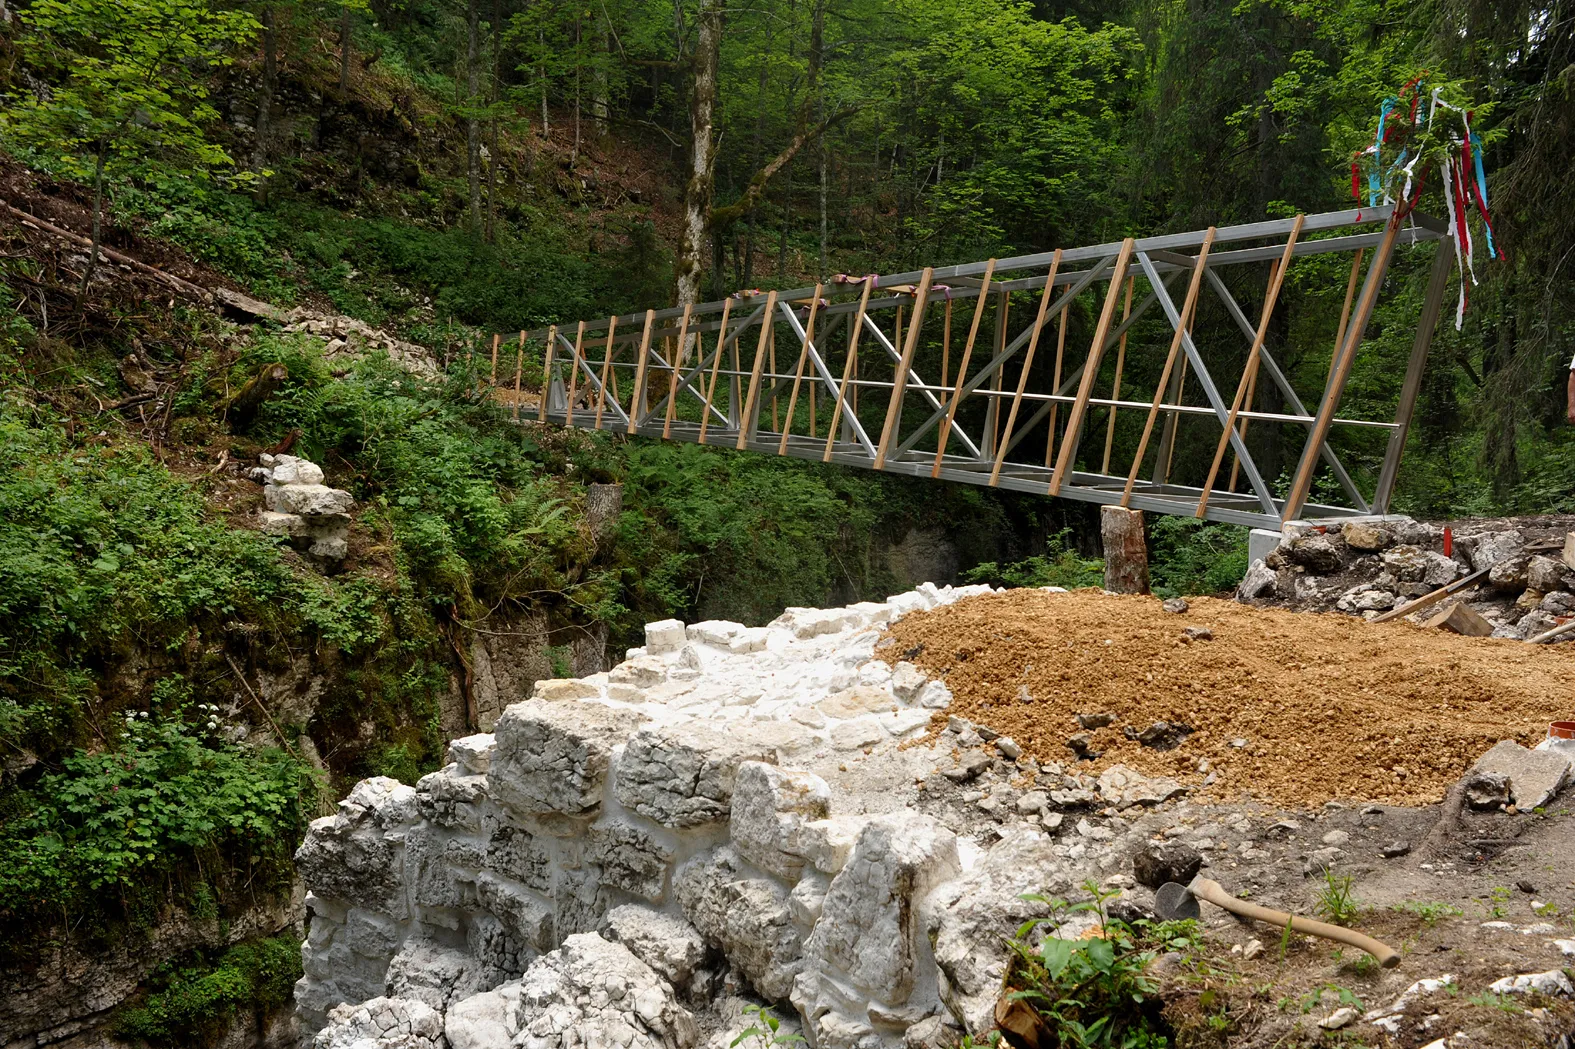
[1291,707]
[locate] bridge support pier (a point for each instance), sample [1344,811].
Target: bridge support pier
[1126,552]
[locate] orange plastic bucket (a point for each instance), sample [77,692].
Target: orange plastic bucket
[1562,730]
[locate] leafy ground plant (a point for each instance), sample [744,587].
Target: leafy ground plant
[765,1032]
[1094,993]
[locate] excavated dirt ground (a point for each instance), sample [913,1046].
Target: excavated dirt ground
[1329,707]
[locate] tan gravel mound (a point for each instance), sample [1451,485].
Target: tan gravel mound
[1329,706]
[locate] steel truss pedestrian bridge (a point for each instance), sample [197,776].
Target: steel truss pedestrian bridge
[967,372]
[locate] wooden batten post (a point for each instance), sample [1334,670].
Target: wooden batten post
[1302,485]
[1250,371]
[574,374]
[639,372]
[1115,393]
[601,394]
[900,386]
[496,338]
[1126,553]
[678,366]
[946,351]
[1028,363]
[798,377]
[962,367]
[1184,320]
[746,424]
[546,373]
[1055,385]
[1345,312]
[1096,352]
[716,364]
[849,368]
[519,367]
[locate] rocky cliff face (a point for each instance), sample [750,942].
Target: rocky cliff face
[729,811]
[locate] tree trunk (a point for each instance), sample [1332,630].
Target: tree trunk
[1126,554]
[579,62]
[472,122]
[98,218]
[344,50]
[817,45]
[699,188]
[541,43]
[495,89]
[270,78]
[600,91]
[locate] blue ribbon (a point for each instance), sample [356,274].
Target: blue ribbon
[1476,156]
[1374,185]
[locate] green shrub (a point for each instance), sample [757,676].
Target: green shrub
[194,1002]
[1188,556]
[117,824]
[1059,565]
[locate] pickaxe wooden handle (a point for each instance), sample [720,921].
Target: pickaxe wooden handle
[1207,889]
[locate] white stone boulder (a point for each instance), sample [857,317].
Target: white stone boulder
[552,758]
[970,918]
[683,775]
[746,915]
[382,1023]
[307,500]
[870,931]
[771,805]
[664,636]
[669,945]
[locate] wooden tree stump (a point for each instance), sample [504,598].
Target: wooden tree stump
[1126,553]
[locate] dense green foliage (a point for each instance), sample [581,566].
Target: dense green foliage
[193,1002]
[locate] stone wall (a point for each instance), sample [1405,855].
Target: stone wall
[728,811]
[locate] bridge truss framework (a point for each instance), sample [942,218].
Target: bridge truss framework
[742,389]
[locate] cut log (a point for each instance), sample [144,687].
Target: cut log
[1462,619]
[1569,550]
[242,408]
[1126,553]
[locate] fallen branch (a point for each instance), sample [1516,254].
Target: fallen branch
[241,677]
[48,227]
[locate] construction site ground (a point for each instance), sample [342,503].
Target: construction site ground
[1353,734]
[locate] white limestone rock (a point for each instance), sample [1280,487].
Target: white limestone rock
[290,469]
[771,805]
[857,733]
[1552,983]
[307,500]
[935,696]
[553,758]
[630,858]
[852,702]
[870,930]
[970,918]
[588,994]
[433,974]
[669,945]
[292,525]
[664,636]
[382,1023]
[750,639]
[717,632]
[907,680]
[473,753]
[1259,582]
[556,690]
[643,672]
[746,915]
[352,855]
[683,775]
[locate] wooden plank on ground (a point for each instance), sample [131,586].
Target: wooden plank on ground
[1429,600]
[1460,618]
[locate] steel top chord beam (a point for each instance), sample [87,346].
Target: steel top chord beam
[669,370]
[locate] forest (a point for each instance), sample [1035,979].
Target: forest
[449,169]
